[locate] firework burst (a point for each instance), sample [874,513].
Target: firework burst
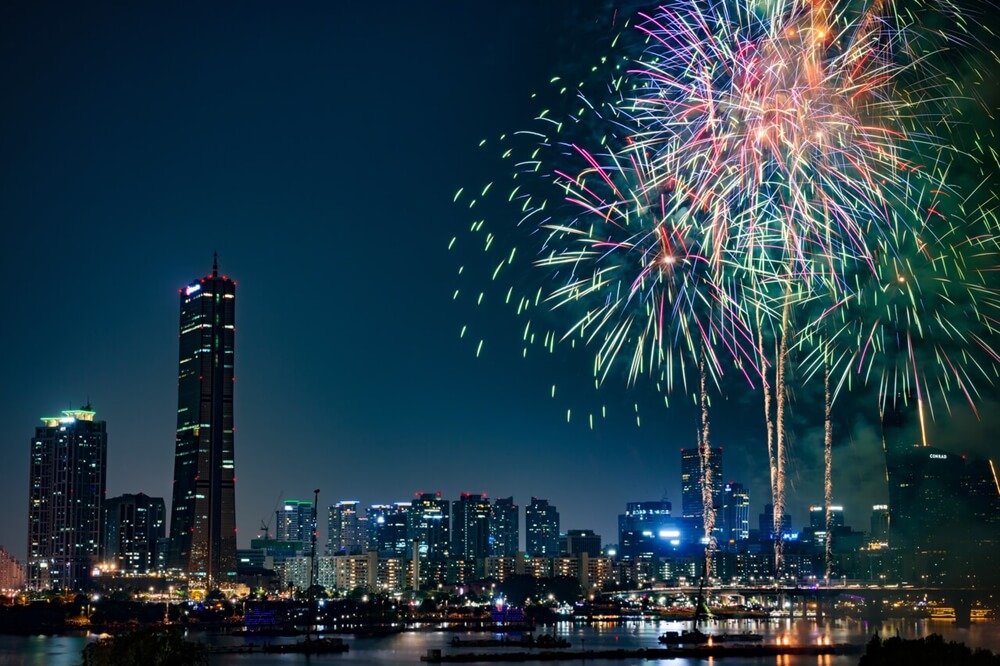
[761,181]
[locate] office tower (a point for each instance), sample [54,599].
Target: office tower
[645,517]
[924,487]
[470,527]
[429,525]
[735,514]
[133,526]
[203,510]
[692,505]
[66,493]
[346,534]
[541,527]
[505,532]
[817,517]
[579,542]
[646,529]
[766,523]
[880,523]
[293,521]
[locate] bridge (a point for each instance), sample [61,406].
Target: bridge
[797,598]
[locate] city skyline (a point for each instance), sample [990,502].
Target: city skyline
[279,140]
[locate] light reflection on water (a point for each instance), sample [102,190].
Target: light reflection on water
[407,648]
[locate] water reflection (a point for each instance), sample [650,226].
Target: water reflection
[406,648]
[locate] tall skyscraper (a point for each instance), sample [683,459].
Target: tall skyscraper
[203,511]
[505,532]
[735,516]
[541,527]
[924,492]
[133,528]
[470,527]
[692,505]
[66,492]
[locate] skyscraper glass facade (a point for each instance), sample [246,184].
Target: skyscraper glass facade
[203,511]
[541,528]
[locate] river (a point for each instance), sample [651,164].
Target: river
[407,648]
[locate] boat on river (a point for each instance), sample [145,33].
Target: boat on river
[695,637]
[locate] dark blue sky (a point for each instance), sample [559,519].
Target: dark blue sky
[317,147]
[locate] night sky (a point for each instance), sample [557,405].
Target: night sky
[316,147]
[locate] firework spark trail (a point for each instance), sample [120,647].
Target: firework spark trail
[707,490]
[637,271]
[827,470]
[779,441]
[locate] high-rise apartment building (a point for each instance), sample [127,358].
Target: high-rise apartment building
[11,572]
[692,504]
[346,529]
[66,492]
[133,528]
[203,511]
[505,532]
[541,528]
[294,521]
[470,527]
